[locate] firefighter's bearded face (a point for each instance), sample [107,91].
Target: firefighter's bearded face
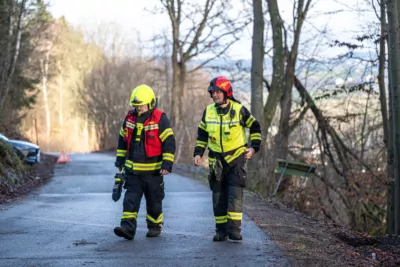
[218,97]
[143,108]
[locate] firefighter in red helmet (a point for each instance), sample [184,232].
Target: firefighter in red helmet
[222,129]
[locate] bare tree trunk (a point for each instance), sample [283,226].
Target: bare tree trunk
[175,94]
[394,73]
[168,92]
[182,88]
[278,63]
[60,91]
[387,118]
[44,66]
[257,61]
[381,78]
[364,124]
[282,137]
[189,136]
[179,132]
[174,13]
[257,77]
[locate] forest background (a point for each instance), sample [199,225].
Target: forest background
[320,91]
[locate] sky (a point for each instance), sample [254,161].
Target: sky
[133,20]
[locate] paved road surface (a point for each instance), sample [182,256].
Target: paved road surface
[70,222]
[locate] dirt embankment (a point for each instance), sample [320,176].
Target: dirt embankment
[308,242]
[18,179]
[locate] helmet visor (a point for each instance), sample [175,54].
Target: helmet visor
[212,88]
[137,102]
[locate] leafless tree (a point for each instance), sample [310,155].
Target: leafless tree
[210,34]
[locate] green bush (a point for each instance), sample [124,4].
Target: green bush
[11,166]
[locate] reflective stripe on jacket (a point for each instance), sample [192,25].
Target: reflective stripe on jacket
[226,132]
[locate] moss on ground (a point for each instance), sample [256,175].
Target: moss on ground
[11,166]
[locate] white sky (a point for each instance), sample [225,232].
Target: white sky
[132,18]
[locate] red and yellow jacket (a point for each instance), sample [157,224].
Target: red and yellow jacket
[146,143]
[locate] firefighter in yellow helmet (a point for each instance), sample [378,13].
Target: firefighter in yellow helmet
[222,129]
[145,153]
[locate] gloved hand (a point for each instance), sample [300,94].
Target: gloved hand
[119,163]
[117,189]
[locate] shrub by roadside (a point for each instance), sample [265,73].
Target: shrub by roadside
[18,179]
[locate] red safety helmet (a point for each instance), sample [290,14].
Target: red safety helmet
[223,84]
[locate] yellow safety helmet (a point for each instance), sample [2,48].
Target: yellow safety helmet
[142,95]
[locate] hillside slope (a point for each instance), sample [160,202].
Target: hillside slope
[18,179]
[308,242]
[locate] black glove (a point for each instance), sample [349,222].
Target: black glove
[117,189]
[119,163]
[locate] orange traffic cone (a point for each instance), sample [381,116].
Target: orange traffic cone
[63,158]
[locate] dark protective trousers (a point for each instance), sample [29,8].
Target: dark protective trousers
[227,194]
[153,189]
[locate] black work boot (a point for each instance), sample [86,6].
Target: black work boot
[123,232]
[220,231]
[235,236]
[153,233]
[219,237]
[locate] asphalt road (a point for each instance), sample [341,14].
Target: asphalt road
[70,222]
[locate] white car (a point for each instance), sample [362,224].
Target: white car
[28,152]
